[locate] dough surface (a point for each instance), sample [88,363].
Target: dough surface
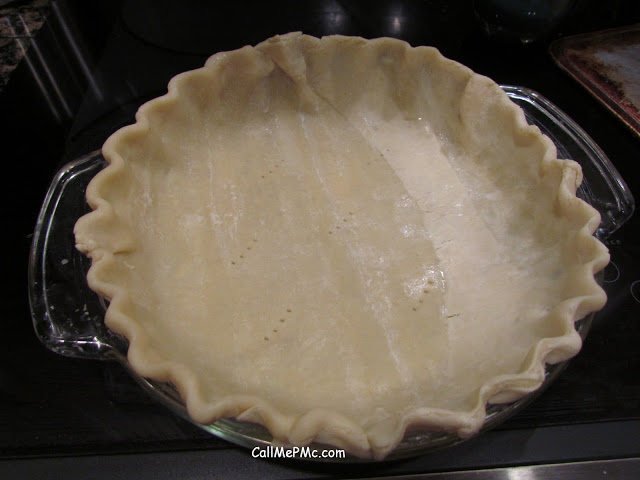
[339,239]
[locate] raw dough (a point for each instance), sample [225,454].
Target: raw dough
[340,238]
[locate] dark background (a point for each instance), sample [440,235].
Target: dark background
[107,58]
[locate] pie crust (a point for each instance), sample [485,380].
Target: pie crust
[341,239]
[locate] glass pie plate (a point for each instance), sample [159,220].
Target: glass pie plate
[68,316]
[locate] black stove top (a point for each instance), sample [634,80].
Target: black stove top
[95,65]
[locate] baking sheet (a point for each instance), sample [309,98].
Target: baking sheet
[607,63]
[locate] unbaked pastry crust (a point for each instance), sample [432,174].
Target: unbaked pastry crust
[341,239]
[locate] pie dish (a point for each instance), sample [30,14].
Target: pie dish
[341,239]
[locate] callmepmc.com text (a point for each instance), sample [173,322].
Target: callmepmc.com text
[296,452]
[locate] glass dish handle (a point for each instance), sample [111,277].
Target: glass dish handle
[67,315]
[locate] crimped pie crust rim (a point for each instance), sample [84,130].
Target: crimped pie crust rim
[320,425]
